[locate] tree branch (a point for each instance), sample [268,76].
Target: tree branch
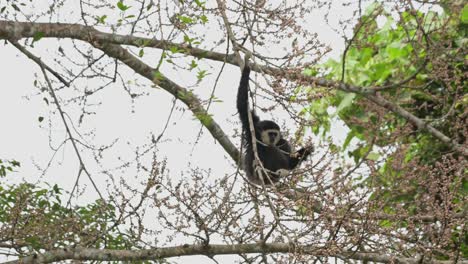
[373,96]
[102,41]
[45,68]
[184,95]
[90,254]
[17,30]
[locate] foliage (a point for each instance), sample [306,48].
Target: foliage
[387,54]
[29,213]
[419,59]
[388,192]
[7,166]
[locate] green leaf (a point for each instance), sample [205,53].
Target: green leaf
[200,3]
[311,71]
[141,53]
[37,36]
[373,156]
[102,19]
[201,74]
[56,189]
[396,50]
[188,40]
[149,6]
[121,6]
[386,223]
[34,242]
[203,19]
[347,101]
[348,139]
[175,49]
[15,7]
[193,64]
[464,14]
[185,19]
[158,75]
[465,186]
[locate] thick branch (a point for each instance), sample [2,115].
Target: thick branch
[373,96]
[17,30]
[187,97]
[89,254]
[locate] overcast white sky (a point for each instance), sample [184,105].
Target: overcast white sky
[23,138]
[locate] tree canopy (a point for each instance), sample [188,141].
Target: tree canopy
[139,115]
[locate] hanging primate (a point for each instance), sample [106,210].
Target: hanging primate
[273,150]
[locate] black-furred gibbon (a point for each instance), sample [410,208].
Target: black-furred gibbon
[273,150]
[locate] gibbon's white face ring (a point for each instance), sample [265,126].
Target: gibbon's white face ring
[270,137]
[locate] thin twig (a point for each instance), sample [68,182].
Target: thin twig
[61,112]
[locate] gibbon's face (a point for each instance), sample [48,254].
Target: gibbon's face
[269,132]
[271,137]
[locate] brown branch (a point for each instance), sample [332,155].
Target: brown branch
[184,95]
[44,70]
[381,101]
[38,61]
[17,30]
[90,254]
[230,33]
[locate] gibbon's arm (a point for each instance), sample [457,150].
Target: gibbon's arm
[283,144]
[299,156]
[243,97]
[243,105]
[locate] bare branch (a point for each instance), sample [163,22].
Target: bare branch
[87,254]
[187,97]
[62,113]
[17,30]
[40,63]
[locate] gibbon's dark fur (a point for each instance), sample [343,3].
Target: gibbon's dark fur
[273,150]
